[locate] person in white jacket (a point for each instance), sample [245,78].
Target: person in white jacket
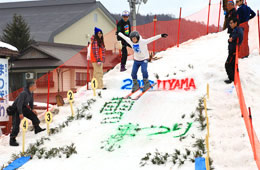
[141,56]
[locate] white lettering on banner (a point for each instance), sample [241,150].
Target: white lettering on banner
[3,89]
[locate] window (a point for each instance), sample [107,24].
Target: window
[95,18]
[42,80]
[81,79]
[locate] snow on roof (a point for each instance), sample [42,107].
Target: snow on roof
[10,47]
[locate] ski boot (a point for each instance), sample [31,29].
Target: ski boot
[146,85]
[135,85]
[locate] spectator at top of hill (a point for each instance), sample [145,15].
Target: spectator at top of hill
[245,13]
[231,13]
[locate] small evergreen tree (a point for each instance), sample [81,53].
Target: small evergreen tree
[17,33]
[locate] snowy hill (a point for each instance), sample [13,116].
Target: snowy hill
[149,124]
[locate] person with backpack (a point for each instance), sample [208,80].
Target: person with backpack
[23,104]
[124,27]
[141,56]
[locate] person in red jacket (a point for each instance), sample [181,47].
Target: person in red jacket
[97,56]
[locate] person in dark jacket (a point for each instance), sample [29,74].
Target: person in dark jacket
[124,27]
[245,13]
[235,37]
[231,13]
[224,6]
[24,105]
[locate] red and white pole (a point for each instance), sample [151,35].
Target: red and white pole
[154,31]
[88,74]
[179,29]
[48,98]
[219,15]
[208,17]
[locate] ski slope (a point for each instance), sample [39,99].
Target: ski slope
[201,59]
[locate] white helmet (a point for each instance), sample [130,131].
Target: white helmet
[125,13]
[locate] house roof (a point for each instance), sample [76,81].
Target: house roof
[7,50]
[47,18]
[58,55]
[8,46]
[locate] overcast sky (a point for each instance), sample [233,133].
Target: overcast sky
[162,6]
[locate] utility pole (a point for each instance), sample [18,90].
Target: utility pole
[132,4]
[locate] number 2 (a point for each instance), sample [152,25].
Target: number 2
[127,86]
[70,95]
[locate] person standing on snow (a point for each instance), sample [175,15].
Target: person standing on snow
[97,56]
[231,13]
[124,27]
[141,56]
[237,33]
[245,13]
[23,104]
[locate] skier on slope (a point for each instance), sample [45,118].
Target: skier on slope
[141,56]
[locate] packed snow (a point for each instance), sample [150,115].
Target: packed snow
[203,60]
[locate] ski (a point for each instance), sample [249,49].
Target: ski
[130,94]
[140,95]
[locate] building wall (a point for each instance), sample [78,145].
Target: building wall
[80,32]
[67,79]
[35,71]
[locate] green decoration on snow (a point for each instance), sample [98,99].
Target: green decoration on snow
[115,109]
[127,131]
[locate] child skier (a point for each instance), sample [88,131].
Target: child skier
[141,56]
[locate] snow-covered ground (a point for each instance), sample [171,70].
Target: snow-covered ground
[201,59]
